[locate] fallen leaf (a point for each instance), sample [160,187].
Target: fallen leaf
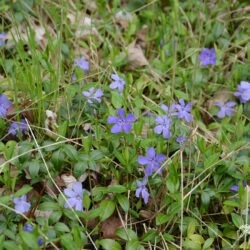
[110,226]
[44,214]
[141,36]
[136,56]
[50,123]
[83,25]
[90,5]
[123,18]
[68,180]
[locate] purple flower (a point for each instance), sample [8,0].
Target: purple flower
[18,127]
[93,95]
[207,57]
[183,110]
[40,241]
[121,123]
[226,109]
[82,63]
[141,190]
[5,104]
[28,228]
[2,39]
[169,110]
[243,91]
[118,83]
[21,204]
[163,126]
[151,160]
[235,187]
[74,196]
[181,139]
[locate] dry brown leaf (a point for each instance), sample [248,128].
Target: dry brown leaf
[20,32]
[146,214]
[90,5]
[110,226]
[68,180]
[141,36]
[136,56]
[44,214]
[83,24]
[123,18]
[50,123]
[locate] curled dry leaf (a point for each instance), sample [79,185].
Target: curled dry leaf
[123,18]
[22,33]
[44,214]
[110,226]
[136,56]
[146,214]
[83,25]
[68,180]
[141,36]
[50,123]
[90,5]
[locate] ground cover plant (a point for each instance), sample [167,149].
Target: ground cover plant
[124,124]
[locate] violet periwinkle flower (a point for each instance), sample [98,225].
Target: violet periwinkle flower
[93,95]
[28,228]
[183,110]
[226,109]
[141,190]
[118,83]
[18,128]
[40,241]
[181,139]
[235,187]
[2,39]
[151,160]
[5,104]
[74,196]
[82,63]
[169,110]
[121,123]
[163,126]
[21,204]
[243,91]
[207,57]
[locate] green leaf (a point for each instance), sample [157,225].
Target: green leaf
[34,167]
[107,208]
[24,190]
[61,227]
[70,151]
[118,189]
[67,242]
[134,245]
[62,129]
[208,243]
[116,99]
[9,149]
[109,244]
[5,199]
[211,160]
[10,245]
[86,201]
[29,239]
[126,234]
[123,202]
[161,219]
[237,220]
[48,206]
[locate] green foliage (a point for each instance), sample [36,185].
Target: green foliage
[191,202]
